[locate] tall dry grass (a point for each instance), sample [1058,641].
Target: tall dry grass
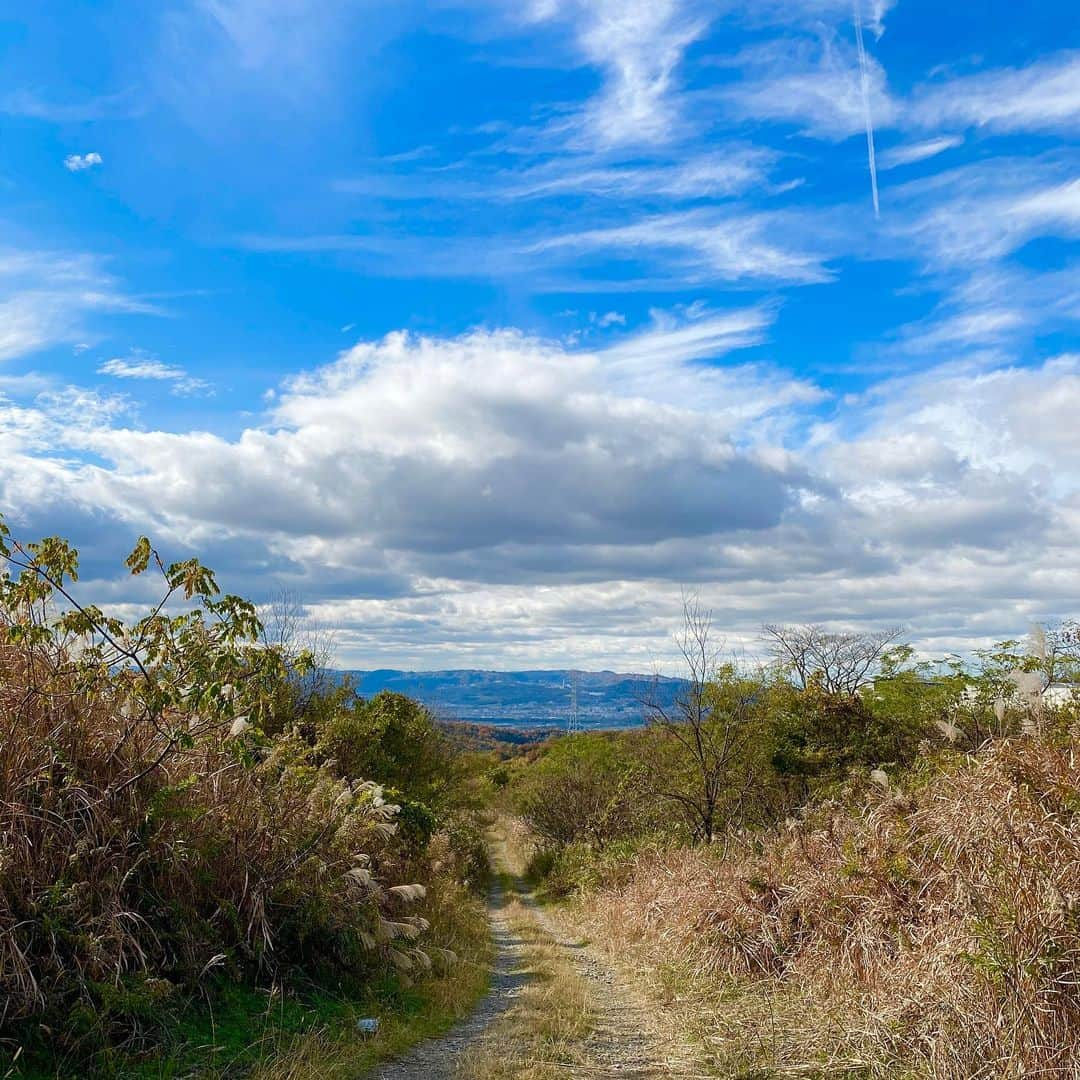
[929,931]
[138,865]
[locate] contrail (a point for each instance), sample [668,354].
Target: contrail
[864,72]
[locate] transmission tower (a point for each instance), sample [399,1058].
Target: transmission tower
[573,721]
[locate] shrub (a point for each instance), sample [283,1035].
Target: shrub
[578,868]
[585,788]
[392,739]
[151,836]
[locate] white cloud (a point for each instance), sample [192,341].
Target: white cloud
[979,214]
[807,13]
[731,172]
[430,447]
[949,505]
[1003,423]
[704,245]
[674,363]
[495,499]
[979,326]
[639,45]
[812,83]
[81,162]
[140,366]
[910,153]
[47,298]
[1044,96]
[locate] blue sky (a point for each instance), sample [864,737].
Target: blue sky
[491,328]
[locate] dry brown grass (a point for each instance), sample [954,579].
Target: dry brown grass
[928,933]
[129,876]
[512,844]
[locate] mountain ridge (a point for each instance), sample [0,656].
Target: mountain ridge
[538,697]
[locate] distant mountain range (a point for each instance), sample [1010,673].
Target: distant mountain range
[605,699]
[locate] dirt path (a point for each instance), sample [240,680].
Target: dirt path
[622,1040]
[436,1059]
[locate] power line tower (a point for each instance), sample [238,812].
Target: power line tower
[573,721]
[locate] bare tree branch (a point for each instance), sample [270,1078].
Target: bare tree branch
[840,663]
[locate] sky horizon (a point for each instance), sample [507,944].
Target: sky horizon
[493,329]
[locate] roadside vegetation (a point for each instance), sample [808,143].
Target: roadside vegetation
[210,852]
[845,863]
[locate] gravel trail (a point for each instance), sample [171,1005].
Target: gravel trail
[624,1041]
[436,1059]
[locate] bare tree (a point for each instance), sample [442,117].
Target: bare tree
[838,663]
[289,628]
[1056,652]
[709,727]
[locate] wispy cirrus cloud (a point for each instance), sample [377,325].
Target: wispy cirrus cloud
[729,244]
[35,106]
[812,83]
[682,357]
[705,245]
[731,172]
[1043,96]
[983,213]
[140,366]
[49,298]
[911,153]
[639,46]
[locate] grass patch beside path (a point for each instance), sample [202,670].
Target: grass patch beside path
[336,1050]
[269,1036]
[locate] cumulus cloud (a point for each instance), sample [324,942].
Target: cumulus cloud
[427,445]
[81,162]
[500,499]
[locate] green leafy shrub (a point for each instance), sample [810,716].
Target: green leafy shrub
[587,789]
[579,868]
[393,739]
